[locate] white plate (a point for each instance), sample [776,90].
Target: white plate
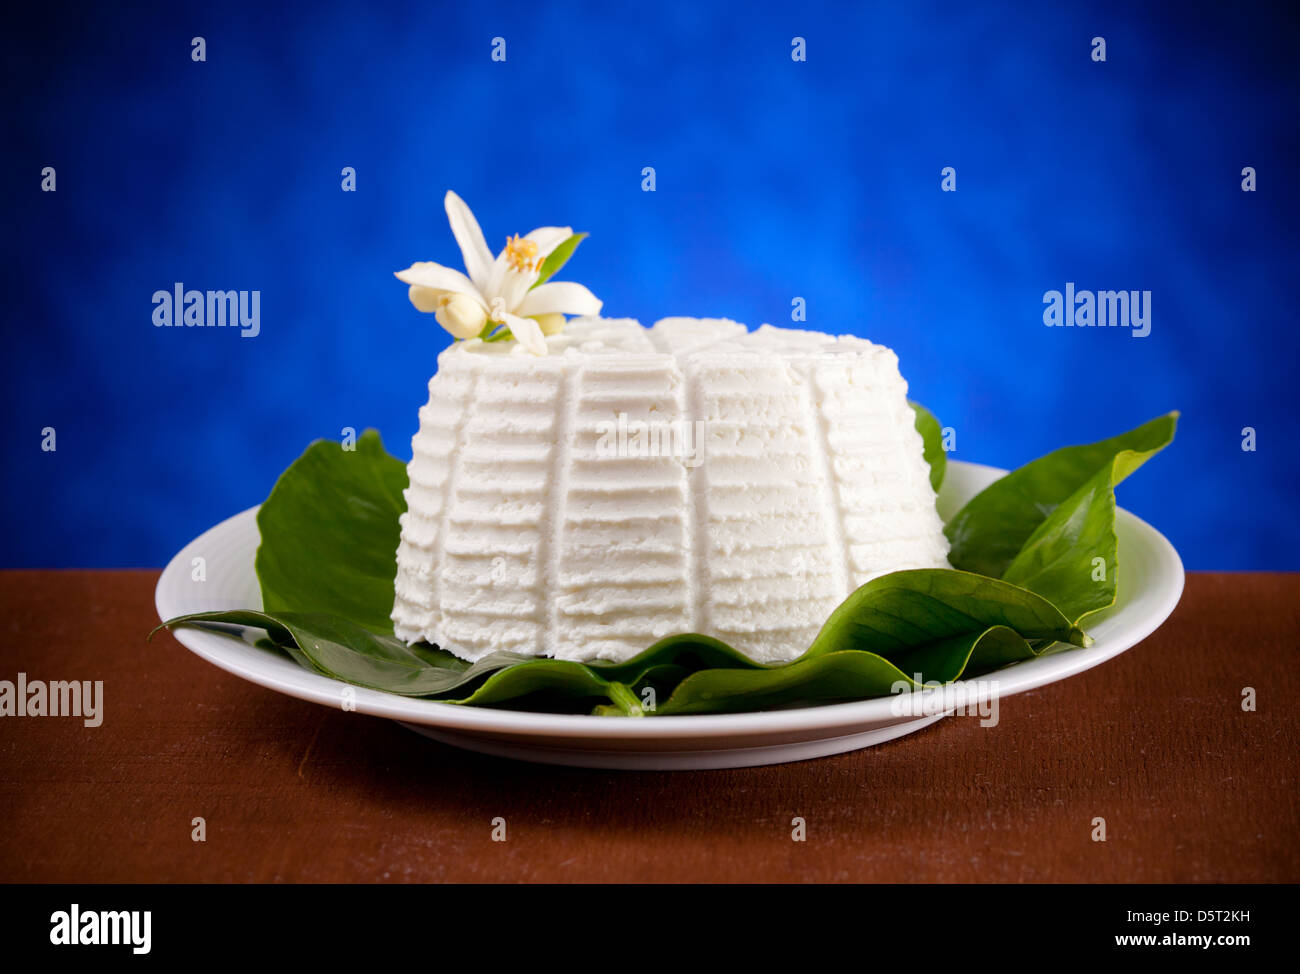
[1150,583]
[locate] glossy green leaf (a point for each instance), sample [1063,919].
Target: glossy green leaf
[932,437]
[988,533]
[927,623]
[903,612]
[558,257]
[844,675]
[690,651]
[1073,557]
[342,649]
[330,533]
[346,651]
[554,684]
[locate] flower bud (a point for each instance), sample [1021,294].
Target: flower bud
[459,314]
[552,323]
[424,298]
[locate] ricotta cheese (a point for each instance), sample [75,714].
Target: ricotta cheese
[635,483]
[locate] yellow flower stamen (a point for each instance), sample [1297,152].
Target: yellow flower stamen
[522,254]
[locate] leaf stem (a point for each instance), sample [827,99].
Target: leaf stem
[622,697]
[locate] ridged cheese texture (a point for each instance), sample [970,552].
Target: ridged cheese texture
[534,525]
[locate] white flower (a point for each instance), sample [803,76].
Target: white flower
[499,289]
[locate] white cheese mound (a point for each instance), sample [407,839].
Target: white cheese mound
[534,526]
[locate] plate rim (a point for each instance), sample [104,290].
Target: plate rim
[235,657]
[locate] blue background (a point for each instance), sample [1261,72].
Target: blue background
[775,179]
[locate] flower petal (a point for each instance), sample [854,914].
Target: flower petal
[500,273]
[548,238]
[478,259]
[426,273]
[565,297]
[514,286]
[527,333]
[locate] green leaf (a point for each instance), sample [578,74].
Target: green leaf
[558,683]
[330,533]
[689,651]
[989,532]
[900,630]
[844,675]
[928,624]
[932,437]
[561,684]
[1059,561]
[901,613]
[341,649]
[349,652]
[558,257]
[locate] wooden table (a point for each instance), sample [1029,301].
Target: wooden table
[1191,787]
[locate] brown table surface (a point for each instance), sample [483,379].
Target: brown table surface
[1155,742]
